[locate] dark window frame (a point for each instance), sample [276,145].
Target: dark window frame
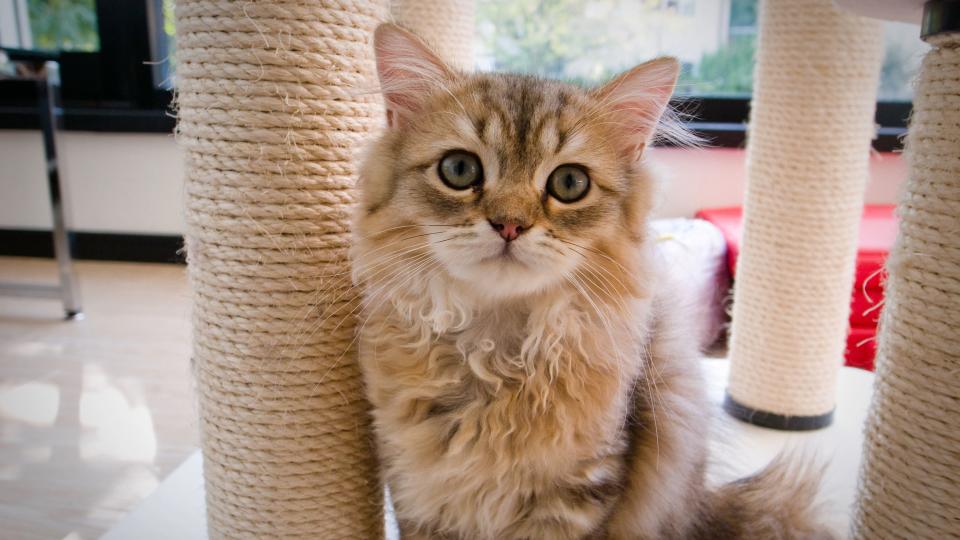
[115,89]
[112,89]
[722,121]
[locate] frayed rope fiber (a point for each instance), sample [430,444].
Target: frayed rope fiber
[811,123]
[271,113]
[910,478]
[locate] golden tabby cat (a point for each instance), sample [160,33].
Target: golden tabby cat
[528,376]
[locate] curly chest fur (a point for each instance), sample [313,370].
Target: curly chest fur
[498,431]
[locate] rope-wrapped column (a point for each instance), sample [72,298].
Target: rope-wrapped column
[445,25]
[910,479]
[810,130]
[272,106]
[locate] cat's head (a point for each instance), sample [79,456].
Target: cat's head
[507,183]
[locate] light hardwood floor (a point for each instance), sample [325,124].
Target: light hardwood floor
[93,413]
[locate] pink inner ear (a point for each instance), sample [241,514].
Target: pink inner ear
[636,100]
[408,71]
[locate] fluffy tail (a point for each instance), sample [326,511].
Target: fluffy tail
[776,503]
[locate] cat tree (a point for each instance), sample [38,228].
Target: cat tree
[271,110]
[910,479]
[269,116]
[274,100]
[811,123]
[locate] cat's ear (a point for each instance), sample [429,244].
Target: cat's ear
[636,99]
[409,71]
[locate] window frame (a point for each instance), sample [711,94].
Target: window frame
[112,89]
[115,89]
[722,121]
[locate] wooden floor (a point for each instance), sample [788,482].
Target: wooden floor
[93,413]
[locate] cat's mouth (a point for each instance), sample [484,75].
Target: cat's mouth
[508,254]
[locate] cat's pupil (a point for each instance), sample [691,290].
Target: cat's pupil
[461,167]
[569,181]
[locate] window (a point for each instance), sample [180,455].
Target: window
[163,43]
[58,25]
[118,63]
[715,40]
[64,25]
[106,50]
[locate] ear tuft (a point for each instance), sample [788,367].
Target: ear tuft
[637,102]
[408,70]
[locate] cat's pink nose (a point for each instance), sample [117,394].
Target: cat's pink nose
[509,230]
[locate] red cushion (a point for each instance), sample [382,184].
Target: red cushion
[861,347]
[878,230]
[865,308]
[730,223]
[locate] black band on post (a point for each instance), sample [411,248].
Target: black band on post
[773,420]
[940,17]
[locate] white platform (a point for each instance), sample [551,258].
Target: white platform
[176,508]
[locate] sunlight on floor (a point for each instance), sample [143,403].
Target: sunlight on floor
[33,403]
[114,427]
[93,413]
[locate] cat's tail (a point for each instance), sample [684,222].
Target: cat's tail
[779,502]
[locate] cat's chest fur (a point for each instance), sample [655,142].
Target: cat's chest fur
[482,425]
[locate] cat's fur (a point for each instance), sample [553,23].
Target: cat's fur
[549,392]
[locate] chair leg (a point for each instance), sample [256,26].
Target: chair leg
[49,101]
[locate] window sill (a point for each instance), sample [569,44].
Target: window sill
[734,135]
[715,134]
[93,119]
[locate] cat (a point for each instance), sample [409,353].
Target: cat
[528,373]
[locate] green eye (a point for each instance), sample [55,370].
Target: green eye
[460,169]
[568,183]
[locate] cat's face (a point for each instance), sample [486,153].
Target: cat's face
[509,183]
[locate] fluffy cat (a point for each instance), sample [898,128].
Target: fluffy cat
[528,374]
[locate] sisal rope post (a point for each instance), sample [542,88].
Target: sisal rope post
[269,117]
[910,476]
[810,130]
[445,25]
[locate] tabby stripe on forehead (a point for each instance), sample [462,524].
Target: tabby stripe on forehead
[480,126]
[522,120]
[561,134]
[482,95]
[502,118]
[539,125]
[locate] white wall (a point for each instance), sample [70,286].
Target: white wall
[116,182]
[132,183]
[695,179]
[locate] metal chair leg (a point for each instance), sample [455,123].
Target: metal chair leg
[49,101]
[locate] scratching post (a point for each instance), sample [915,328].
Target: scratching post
[446,25]
[910,479]
[271,110]
[810,130]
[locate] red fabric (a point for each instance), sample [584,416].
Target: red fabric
[730,223]
[861,348]
[865,308]
[878,230]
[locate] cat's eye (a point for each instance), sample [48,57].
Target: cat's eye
[568,183]
[460,169]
